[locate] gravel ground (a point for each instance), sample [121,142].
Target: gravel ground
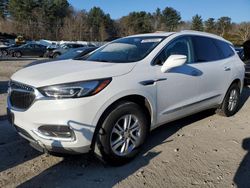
[203,150]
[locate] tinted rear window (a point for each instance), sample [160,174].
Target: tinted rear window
[225,48]
[205,49]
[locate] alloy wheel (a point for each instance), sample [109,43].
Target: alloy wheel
[125,135]
[233,100]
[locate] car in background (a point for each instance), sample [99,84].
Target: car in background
[65,47]
[246,51]
[76,53]
[247,74]
[31,49]
[240,52]
[4,50]
[50,49]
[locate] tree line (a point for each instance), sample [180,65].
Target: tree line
[58,20]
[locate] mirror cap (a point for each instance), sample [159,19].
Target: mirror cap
[173,61]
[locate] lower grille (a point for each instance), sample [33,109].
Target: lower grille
[21,96]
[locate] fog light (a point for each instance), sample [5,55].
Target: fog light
[56,132]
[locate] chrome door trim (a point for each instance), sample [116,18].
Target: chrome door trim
[191,104]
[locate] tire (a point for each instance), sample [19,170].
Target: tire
[230,104]
[17,54]
[55,55]
[113,151]
[4,53]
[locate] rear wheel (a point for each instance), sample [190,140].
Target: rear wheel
[17,54]
[55,55]
[231,101]
[124,132]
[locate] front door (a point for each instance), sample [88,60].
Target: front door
[179,88]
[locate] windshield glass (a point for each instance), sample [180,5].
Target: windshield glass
[126,50]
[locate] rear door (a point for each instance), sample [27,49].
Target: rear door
[25,50]
[215,68]
[39,50]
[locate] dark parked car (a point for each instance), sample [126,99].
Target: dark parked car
[246,49]
[75,53]
[28,50]
[50,49]
[64,48]
[240,52]
[4,50]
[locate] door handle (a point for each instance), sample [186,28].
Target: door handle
[151,82]
[227,68]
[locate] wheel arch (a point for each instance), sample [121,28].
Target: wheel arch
[18,51]
[238,82]
[141,100]
[235,81]
[56,53]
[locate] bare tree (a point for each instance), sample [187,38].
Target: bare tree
[244,31]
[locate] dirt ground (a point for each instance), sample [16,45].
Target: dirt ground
[203,150]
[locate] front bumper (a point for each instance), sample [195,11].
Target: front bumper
[75,113]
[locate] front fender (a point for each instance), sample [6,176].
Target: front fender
[150,99]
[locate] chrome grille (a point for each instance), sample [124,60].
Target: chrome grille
[21,96]
[19,86]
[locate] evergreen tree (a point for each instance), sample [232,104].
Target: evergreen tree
[197,23]
[210,25]
[171,18]
[3,8]
[223,25]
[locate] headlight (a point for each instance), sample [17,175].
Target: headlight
[75,90]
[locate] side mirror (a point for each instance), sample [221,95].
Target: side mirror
[173,61]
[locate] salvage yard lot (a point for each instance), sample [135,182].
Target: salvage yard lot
[201,150]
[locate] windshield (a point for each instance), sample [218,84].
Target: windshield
[126,50]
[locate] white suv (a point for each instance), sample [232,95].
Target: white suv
[109,100]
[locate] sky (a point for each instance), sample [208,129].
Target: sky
[238,10]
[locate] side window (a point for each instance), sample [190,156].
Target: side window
[205,49]
[180,46]
[225,48]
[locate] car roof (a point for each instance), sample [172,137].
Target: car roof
[184,32]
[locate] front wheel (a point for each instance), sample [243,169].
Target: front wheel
[4,53]
[124,132]
[231,101]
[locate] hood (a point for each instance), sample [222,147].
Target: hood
[69,71]
[4,47]
[40,62]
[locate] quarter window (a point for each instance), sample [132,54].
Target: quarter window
[225,48]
